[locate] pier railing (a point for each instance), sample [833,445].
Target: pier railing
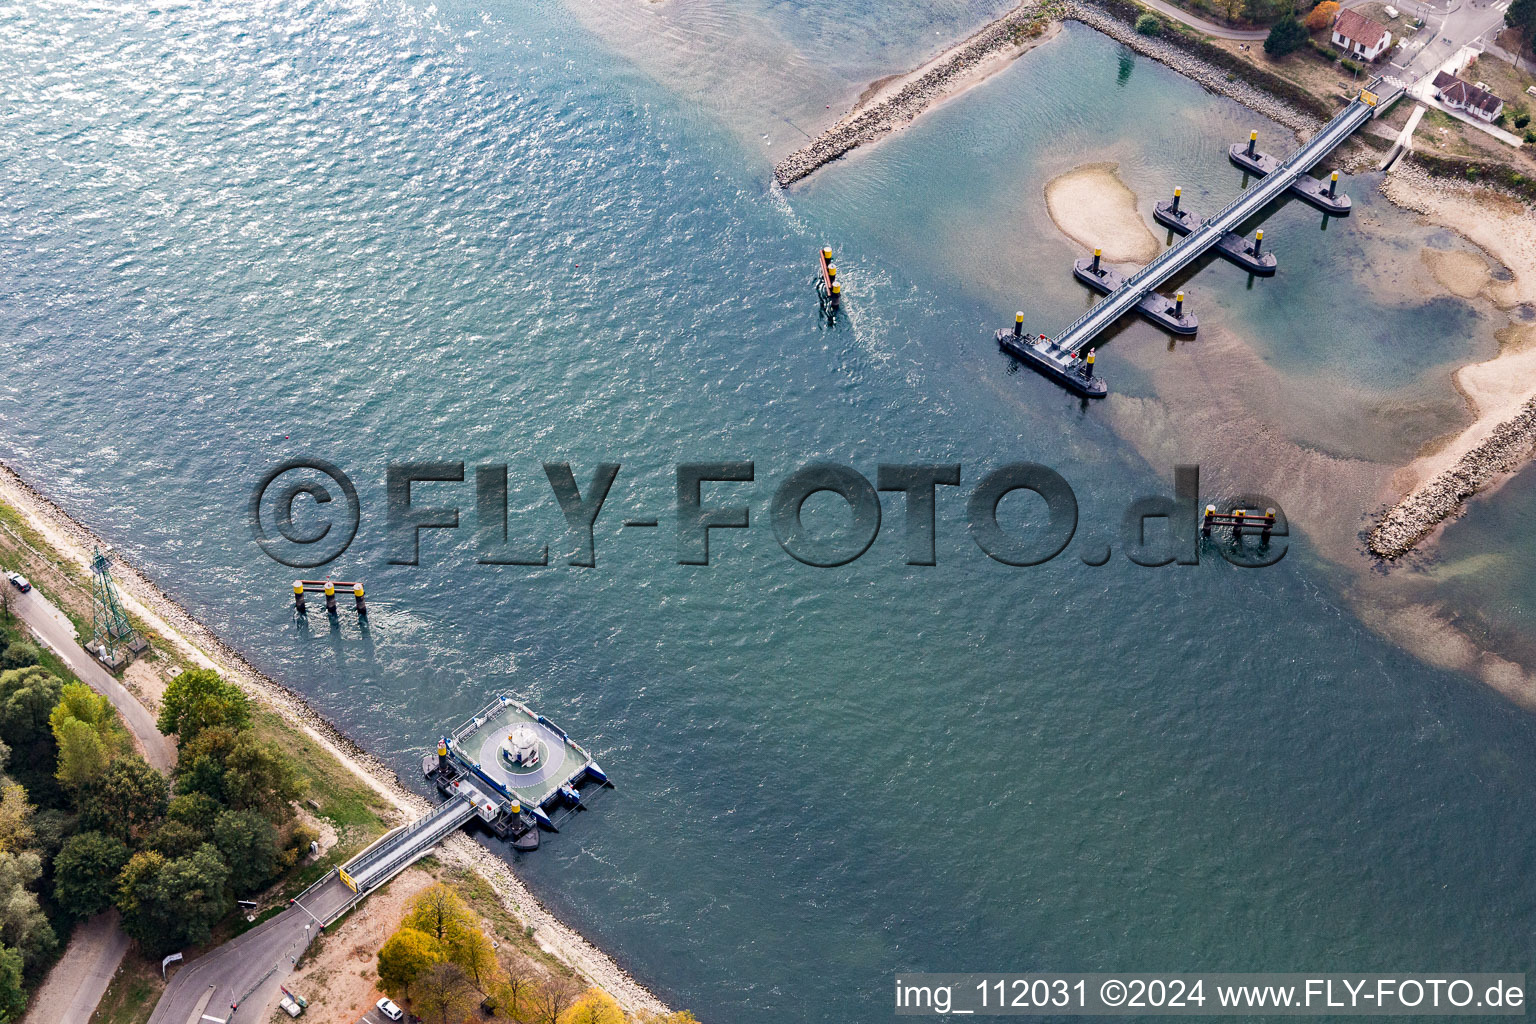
[1190,248]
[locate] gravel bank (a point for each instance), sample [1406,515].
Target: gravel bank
[1510,446]
[200,645]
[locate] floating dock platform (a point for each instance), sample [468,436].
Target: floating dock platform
[514,798]
[1044,356]
[1323,195]
[1159,309]
[1231,246]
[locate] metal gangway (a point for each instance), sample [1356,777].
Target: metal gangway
[399,849]
[1077,335]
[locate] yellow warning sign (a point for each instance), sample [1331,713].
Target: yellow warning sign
[346,879]
[1369,97]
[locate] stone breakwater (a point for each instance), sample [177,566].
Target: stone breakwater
[202,646]
[1511,445]
[1004,39]
[1213,78]
[1015,31]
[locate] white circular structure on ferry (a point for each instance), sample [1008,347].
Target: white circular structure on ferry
[521,747]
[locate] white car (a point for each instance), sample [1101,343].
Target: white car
[389,1009]
[18,581]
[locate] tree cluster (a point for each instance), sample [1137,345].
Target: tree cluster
[441,964]
[171,856]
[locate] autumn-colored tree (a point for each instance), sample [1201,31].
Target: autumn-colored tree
[406,956]
[553,997]
[472,950]
[443,994]
[1321,16]
[517,979]
[15,819]
[675,1017]
[438,911]
[594,1007]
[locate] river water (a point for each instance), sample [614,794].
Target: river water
[369,233]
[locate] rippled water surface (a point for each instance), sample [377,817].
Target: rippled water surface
[232,234]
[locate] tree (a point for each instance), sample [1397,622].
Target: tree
[167,904]
[1287,36]
[594,1007]
[82,755]
[198,810]
[439,912]
[22,923]
[174,839]
[472,951]
[200,699]
[237,769]
[1522,16]
[1149,25]
[249,845]
[1321,16]
[15,819]
[27,698]
[128,801]
[18,654]
[553,997]
[442,994]
[85,872]
[259,776]
[517,979]
[13,998]
[404,957]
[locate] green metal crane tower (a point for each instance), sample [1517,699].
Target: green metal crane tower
[113,637]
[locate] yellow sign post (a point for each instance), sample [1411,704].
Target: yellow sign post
[346,879]
[1369,97]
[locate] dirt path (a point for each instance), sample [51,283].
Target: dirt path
[72,989]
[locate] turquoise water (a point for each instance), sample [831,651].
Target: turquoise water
[233,235]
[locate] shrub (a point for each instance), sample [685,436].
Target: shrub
[1530,136]
[1322,15]
[1522,118]
[1288,36]
[1350,66]
[1500,119]
[1149,25]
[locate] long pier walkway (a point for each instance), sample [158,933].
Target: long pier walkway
[1083,330]
[1068,359]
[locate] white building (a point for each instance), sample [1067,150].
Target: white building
[1359,36]
[1459,95]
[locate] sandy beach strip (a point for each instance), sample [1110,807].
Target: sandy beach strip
[1501,392]
[204,648]
[1094,208]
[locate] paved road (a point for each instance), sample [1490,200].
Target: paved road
[77,982]
[248,968]
[1208,27]
[1448,26]
[55,629]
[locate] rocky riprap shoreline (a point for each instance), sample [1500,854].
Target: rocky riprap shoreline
[1190,66]
[1014,30]
[1511,445]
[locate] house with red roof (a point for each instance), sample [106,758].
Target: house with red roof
[1459,95]
[1359,36]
